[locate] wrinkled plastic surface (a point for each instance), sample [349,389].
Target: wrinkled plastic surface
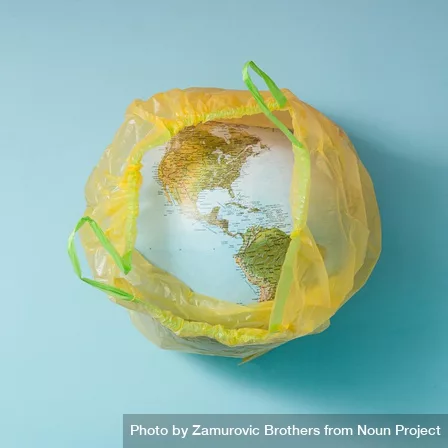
[342,219]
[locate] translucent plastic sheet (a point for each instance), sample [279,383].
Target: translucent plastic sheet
[333,242]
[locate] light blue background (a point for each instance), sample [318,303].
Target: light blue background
[71,362]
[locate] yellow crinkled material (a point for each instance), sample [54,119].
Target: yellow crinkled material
[333,207]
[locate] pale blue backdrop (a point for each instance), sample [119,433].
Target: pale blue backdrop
[71,362]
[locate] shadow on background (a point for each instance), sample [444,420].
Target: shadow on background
[383,352]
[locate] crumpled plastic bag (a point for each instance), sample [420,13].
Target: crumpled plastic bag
[333,246]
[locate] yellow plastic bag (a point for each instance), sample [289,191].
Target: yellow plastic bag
[333,245]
